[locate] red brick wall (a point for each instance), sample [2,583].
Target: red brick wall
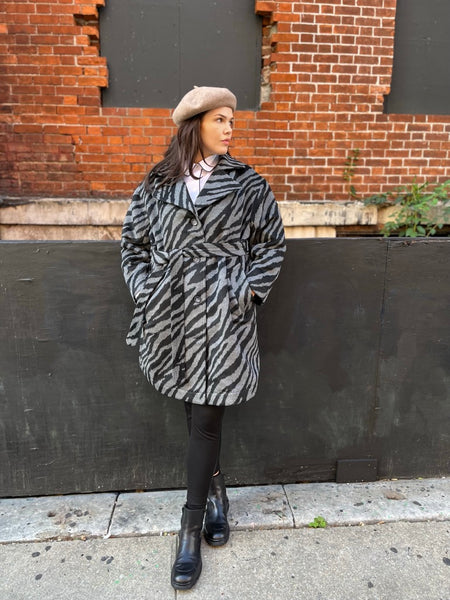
[326,66]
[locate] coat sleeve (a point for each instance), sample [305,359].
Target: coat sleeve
[267,244]
[135,244]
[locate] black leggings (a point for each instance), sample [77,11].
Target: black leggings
[205,427]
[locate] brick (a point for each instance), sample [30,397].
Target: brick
[83,9]
[88,81]
[265,7]
[91,60]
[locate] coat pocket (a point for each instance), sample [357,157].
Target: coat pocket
[240,294]
[157,303]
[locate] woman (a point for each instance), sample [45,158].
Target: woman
[202,243]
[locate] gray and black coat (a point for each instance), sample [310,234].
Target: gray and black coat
[190,269]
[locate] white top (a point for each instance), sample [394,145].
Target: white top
[202,170]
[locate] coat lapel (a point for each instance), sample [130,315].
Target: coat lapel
[221,183]
[218,186]
[176,194]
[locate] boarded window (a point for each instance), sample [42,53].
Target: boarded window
[421,73]
[157,50]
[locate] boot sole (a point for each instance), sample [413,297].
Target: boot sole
[213,542]
[188,586]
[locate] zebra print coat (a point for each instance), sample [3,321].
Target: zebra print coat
[191,269]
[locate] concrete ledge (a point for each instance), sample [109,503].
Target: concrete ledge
[147,513]
[326,214]
[61,218]
[55,517]
[380,501]
[154,513]
[101,219]
[59,232]
[259,507]
[97,211]
[97,219]
[297,231]
[62,211]
[251,508]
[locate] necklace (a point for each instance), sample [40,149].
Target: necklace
[203,171]
[200,178]
[197,176]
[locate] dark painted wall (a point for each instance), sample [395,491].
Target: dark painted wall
[421,69]
[355,342]
[157,50]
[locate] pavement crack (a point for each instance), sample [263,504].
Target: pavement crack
[290,508]
[108,530]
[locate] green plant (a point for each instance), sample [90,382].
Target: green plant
[349,172]
[420,213]
[318,522]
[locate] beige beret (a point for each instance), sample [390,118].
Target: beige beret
[201,99]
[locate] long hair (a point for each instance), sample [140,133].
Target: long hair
[180,154]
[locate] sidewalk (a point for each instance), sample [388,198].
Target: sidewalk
[384,540]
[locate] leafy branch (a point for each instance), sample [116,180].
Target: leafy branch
[420,213]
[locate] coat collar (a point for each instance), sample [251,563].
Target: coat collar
[220,184]
[228,163]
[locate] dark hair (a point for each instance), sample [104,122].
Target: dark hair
[181,153]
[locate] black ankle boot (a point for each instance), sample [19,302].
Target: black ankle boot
[188,562]
[217,530]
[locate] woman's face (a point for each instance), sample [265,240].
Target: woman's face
[216,129]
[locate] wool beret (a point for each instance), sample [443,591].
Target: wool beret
[202,99]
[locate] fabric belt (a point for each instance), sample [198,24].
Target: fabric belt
[173,260]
